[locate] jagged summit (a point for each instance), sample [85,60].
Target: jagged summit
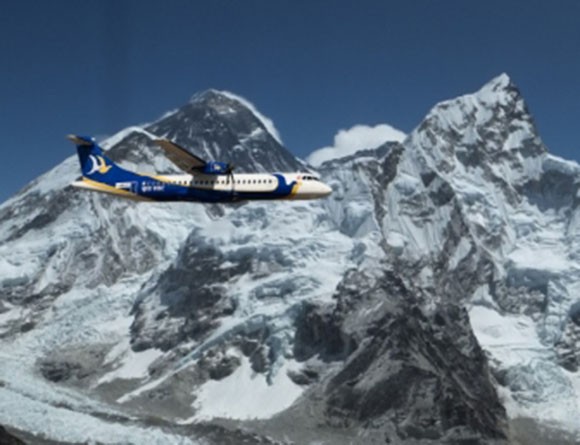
[492,124]
[501,82]
[220,101]
[227,102]
[500,91]
[206,95]
[503,91]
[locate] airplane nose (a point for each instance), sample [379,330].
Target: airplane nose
[326,190]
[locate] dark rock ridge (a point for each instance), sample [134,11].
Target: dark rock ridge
[407,374]
[8,439]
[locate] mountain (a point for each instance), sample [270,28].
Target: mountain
[429,299]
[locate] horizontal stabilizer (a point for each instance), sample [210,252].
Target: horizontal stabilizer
[80,140]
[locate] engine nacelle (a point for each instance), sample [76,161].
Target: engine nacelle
[216,168]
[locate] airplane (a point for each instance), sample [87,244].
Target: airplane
[206,182]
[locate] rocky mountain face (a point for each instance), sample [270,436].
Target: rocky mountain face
[430,299]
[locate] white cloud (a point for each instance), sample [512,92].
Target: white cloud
[359,137]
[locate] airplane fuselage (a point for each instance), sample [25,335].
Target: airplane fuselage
[212,188]
[204,181]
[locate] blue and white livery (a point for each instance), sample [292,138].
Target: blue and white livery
[202,182]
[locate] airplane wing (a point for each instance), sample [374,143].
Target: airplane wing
[180,156]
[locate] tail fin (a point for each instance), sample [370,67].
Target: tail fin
[95,165]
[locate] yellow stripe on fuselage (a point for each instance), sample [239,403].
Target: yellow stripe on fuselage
[294,190]
[105,188]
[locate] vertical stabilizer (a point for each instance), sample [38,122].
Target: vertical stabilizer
[95,165]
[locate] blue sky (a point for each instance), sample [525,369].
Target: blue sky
[314,67]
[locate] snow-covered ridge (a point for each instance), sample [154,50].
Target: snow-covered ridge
[564,166]
[119,136]
[266,121]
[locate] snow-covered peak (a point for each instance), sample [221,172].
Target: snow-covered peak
[204,95]
[490,126]
[500,91]
[220,125]
[210,94]
[499,83]
[356,138]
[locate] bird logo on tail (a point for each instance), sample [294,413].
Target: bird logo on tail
[99,165]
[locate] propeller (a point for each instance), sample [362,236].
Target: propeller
[230,175]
